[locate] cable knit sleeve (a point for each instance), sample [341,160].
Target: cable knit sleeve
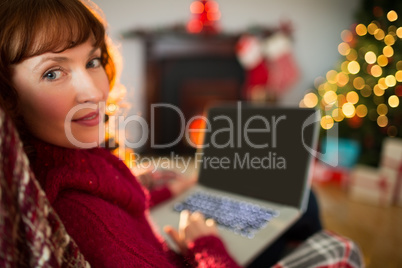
[107,236]
[209,251]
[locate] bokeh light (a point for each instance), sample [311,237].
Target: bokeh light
[344,67]
[390,81]
[343,48]
[392,30]
[330,87]
[361,29]
[379,34]
[197,7]
[378,91]
[371,28]
[361,110]
[392,16]
[211,6]
[366,91]
[376,71]
[398,76]
[382,109]
[370,57]
[331,76]
[388,51]
[382,60]
[112,107]
[197,130]
[321,90]
[393,101]
[399,32]
[399,65]
[352,97]
[327,122]
[310,100]
[389,40]
[214,16]
[352,55]
[342,79]
[353,67]
[359,83]
[341,100]
[348,110]
[382,83]
[347,36]
[337,115]
[194,26]
[382,121]
[330,97]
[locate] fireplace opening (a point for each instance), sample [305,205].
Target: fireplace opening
[185,75]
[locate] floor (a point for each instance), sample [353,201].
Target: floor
[378,231]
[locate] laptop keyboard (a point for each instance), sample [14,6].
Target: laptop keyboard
[243,218]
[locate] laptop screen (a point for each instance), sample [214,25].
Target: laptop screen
[258,151]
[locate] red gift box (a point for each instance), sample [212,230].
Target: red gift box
[391,166]
[369,185]
[323,173]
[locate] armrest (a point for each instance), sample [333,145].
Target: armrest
[324,249]
[31,233]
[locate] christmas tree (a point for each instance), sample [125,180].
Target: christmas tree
[362,94]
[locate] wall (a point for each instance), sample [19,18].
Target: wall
[317,26]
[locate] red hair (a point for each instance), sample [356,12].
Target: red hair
[32,27]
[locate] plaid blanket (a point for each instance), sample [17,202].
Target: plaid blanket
[324,249]
[31,234]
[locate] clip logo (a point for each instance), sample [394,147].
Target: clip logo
[330,157]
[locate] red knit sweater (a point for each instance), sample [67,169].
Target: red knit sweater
[105,211]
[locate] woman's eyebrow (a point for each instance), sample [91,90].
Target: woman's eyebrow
[93,50]
[62,59]
[51,58]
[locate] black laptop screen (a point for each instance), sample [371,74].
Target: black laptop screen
[258,152]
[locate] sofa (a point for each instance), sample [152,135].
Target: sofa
[32,235]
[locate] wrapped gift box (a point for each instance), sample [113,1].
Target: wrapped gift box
[391,166]
[323,173]
[368,185]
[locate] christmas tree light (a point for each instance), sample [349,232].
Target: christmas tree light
[362,93]
[205,15]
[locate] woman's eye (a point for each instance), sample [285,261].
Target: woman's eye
[94,63]
[53,75]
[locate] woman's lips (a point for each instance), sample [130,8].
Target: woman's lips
[90,120]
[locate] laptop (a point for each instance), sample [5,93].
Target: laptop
[254,172]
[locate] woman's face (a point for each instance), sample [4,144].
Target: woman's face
[61,95]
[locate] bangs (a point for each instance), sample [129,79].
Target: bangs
[56,25]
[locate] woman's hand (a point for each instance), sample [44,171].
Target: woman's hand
[153,178]
[191,227]
[180,184]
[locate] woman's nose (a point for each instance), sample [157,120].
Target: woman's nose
[87,89]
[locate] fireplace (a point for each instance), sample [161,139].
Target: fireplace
[188,72]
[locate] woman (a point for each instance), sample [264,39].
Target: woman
[56,71]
